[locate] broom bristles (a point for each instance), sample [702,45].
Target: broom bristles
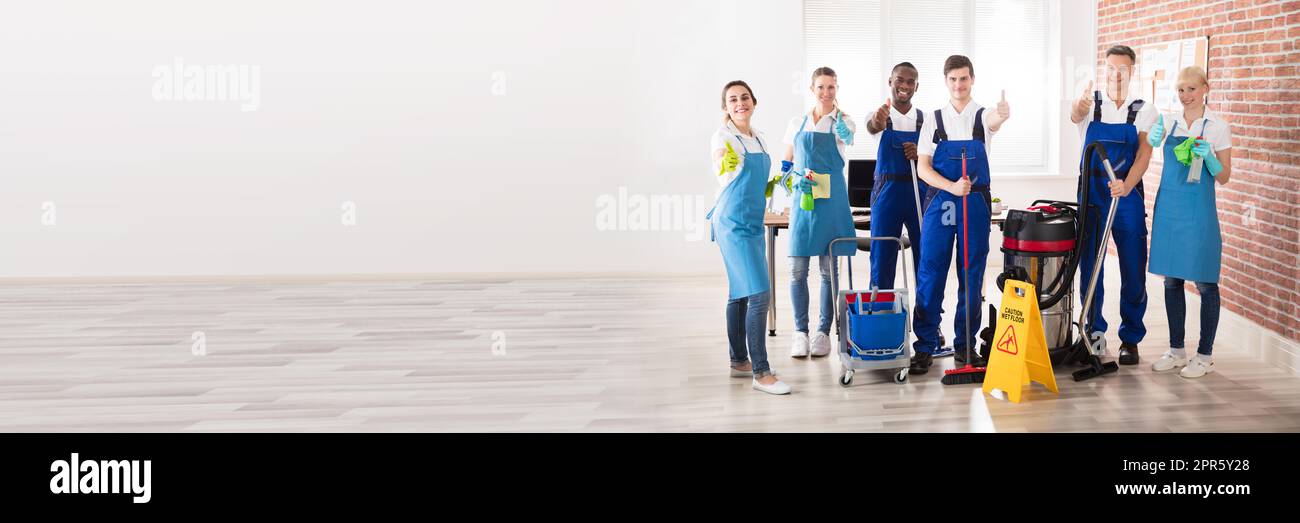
[963,376]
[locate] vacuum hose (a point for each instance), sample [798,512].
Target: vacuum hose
[1060,285]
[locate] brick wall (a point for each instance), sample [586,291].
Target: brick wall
[1254,57]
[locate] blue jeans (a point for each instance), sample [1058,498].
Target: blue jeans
[1176,308]
[746,326]
[799,293]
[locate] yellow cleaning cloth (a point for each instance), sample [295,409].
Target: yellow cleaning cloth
[823,187]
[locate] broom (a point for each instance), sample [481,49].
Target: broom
[969,373]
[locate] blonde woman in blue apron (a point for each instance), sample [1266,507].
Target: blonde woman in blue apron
[816,141]
[1185,241]
[741,165]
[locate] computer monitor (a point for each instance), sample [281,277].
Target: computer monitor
[862,175]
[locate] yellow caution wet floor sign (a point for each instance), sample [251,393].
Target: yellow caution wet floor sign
[1020,348]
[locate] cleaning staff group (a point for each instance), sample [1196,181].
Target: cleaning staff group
[950,181]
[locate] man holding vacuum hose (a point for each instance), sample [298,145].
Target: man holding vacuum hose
[952,157]
[1114,119]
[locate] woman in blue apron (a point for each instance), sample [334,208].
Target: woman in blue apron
[741,164]
[817,143]
[1185,240]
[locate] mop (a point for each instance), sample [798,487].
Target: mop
[969,373]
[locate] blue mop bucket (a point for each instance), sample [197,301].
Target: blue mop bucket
[877,329]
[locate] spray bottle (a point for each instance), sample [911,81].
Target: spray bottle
[1194,174]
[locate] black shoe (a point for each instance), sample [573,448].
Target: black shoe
[921,362]
[960,357]
[1128,354]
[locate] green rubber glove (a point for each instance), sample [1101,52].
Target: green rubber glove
[771,184]
[729,160]
[1183,152]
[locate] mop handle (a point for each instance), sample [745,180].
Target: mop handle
[965,256]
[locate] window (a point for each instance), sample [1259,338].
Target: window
[1006,39]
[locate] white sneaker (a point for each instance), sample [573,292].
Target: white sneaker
[799,345]
[777,388]
[1168,362]
[821,344]
[1197,367]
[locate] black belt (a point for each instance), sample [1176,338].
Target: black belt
[895,177]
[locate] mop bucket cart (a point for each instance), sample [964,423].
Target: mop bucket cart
[874,327]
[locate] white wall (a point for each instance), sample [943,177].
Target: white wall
[472,136]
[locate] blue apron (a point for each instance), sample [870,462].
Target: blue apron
[939,236]
[736,224]
[1185,239]
[1129,230]
[811,232]
[893,204]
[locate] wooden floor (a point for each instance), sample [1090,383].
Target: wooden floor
[530,354]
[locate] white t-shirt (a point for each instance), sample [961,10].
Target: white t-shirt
[825,125]
[902,122]
[959,126]
[1217,131]
[727,134]
[1146,116]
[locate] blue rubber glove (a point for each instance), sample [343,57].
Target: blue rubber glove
[1212,164]
[1201,148]
[806,184]
[842,129]
[1157,132]
[787,178]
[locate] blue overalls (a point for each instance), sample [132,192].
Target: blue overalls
[942,227]
[893,203]
[1129,229]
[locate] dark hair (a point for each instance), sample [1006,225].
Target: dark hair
[902,65]
[734,83]
[824,71]
[957,62]
[1122,50]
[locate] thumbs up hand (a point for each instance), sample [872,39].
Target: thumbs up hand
[842,129]
[878,119]
[1004,109]
[730,160]
[1157,132]
[1084,102]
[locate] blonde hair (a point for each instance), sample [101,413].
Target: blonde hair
[1193,74]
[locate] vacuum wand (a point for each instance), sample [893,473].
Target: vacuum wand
[1096,266]
[1090,350]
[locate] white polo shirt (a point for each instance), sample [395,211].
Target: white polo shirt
[825,125]
[727,134]
[959,126]
[1146,116]
[1217,131]
[902,122]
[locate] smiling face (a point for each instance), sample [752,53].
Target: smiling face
[739,103]
[902,85]
[1192,93]
[960,81]
[824,87]
[1119,70]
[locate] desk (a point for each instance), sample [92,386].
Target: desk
[775,222]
